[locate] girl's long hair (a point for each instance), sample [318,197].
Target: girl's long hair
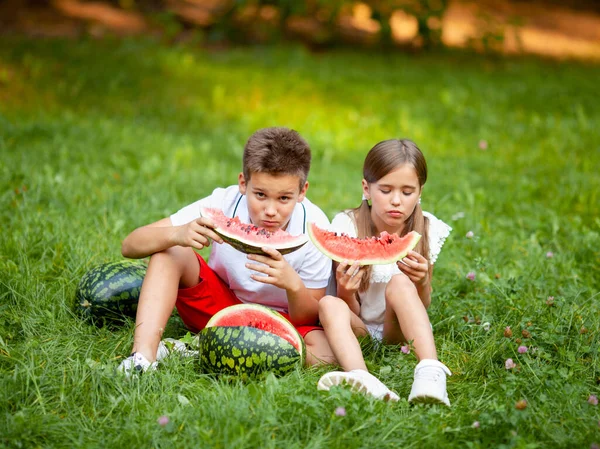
[382,159]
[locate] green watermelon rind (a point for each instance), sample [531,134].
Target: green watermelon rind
[248,246]
[110,291]
[268,313]
[245,352]
[370,261]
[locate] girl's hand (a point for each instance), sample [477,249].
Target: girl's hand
[196,234]
[348,277]
[416,267]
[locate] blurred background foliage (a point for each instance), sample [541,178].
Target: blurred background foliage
[515,26]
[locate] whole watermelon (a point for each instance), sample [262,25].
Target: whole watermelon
[248,339]
[110,292]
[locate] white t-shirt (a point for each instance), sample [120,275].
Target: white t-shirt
[230,264]
[372,302]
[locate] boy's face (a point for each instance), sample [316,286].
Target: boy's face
[271,198]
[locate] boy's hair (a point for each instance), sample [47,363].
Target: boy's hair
[277,151]
[384,158]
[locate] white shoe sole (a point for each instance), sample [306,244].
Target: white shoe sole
[170,346]
[428,400]
[355,383]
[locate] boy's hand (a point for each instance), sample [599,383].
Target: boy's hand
[196,234]
[416,267]
[277,270]
[348,276]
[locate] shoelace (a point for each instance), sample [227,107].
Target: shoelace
[432,373]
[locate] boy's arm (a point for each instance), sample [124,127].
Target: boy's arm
[161,235]
[303,302]
[148,239]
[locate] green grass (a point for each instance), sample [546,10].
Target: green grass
[99,137]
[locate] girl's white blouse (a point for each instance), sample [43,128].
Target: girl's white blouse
[372,302]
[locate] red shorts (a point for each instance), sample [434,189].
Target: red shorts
[196,305]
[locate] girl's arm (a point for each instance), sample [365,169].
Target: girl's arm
[348,279]
[424,288]
[420,271]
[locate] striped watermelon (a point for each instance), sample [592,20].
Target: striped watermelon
[110,291]
[249,339]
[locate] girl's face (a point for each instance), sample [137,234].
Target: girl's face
[393,198]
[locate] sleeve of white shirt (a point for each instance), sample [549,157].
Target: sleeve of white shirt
[192,211]
[438,233]
[343,223]
[316,267]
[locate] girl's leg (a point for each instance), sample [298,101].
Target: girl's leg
[341,327]
[406,318]
[318,350]
[169,270]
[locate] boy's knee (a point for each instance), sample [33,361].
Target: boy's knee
[176,255]
[179,262]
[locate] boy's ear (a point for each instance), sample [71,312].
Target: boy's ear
[303,192]
[365,189]
[242,183]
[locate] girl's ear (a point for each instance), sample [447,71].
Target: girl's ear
[242,183]
[302,194]
[365,189]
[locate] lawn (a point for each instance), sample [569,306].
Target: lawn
[98,137]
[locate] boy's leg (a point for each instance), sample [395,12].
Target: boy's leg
[169,270]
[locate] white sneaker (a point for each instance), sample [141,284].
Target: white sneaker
[360,381]
[170,345]
[429,385]
[136,362]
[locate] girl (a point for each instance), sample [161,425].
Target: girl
[388,302]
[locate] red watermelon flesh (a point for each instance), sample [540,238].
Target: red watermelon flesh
[259,317]
[249,238]
[384,249]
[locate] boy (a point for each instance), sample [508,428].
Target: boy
[270,193]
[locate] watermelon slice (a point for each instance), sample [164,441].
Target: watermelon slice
[248,238]
[385,249]
[249,339]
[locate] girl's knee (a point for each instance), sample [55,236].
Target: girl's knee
[330,306]
[400,287]
[318,350]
